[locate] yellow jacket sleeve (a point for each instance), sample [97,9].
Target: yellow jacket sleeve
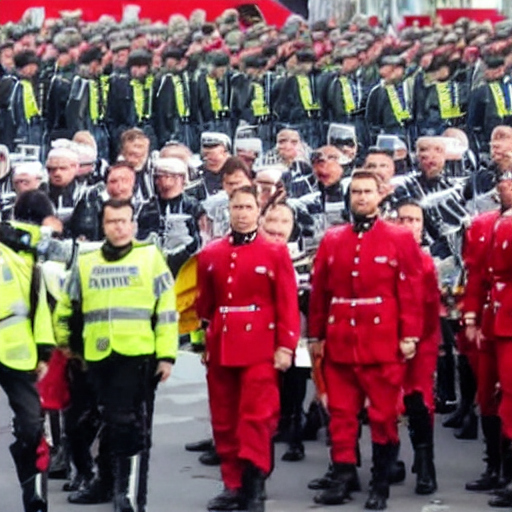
[165,314]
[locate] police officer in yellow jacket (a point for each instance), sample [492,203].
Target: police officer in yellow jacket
[125,296]
[26,338]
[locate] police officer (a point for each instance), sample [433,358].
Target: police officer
[490,104]
[26,335]
[389,106]
[298,105]
[214,95]
[439,102]
[26,100]
[124,293]
[130,99]
[87,104]
[59,87]
[175,106]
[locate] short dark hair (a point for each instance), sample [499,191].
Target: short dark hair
[408,201]
[234,164]
[375,150]
[246,189]
[122,164]
[117,204]
[361,174]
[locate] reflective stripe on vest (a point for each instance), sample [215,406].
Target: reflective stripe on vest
[348,96]
[448,96]
[97,103]
[106,315]
[167,317]
[400,109]
[215,101]
[258,104]
[12,320]
[29,100]
[142,107]
[502,108]
[181,104]
[306,94]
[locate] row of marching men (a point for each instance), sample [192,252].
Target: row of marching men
[328,167]
[386,95]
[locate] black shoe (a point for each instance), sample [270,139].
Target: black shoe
[469,428]
[200,446]
[210,458]
[76,483]
[326,482]
[294,453]
[228,499]
[342,478]
[92,494]
[502,498]
[489,480]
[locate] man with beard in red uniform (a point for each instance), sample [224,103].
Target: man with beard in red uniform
[366,313]
[248,294]
[419,379]
[488,305]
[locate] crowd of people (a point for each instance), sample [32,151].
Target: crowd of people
[342,196]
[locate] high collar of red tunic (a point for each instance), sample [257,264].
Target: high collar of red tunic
[363,223]
[237,238]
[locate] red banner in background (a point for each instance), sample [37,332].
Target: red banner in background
[156,10]
[449,16]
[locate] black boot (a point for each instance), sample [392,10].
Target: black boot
[422,438]
[383,456]
[228,499]
[94,492]
[490,478]
[77,482]
[326,481]
[210,457]
[295,451]
[425,470]
[35,494]
[200,446]
[253,488]
[467,384]
[469,428]
[503,497]
[33,483]
[342,478]
[316,418]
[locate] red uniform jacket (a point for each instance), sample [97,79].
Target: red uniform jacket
[367,293]
[432,300]
[477,245]
[497,316]
[248,293]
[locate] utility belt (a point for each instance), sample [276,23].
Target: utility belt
[367,301]
[184,120]
[238,309]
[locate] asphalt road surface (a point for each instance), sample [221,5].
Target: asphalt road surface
[179,483]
